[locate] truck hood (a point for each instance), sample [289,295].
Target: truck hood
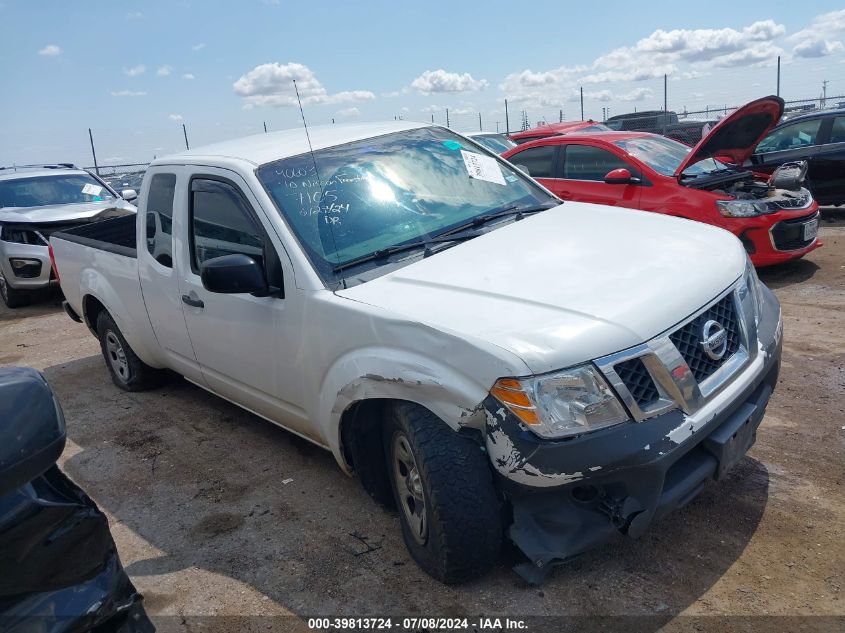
[735,137]
[566,285]
[65,212]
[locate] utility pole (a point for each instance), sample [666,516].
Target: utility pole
[91,138]
[185,132]
[480,129]
[265,126]
[665,93]
[560,117]
[447,117]
[824,94]
[497,127]
[432,118]
[778,88]
[582,103]
[507,123]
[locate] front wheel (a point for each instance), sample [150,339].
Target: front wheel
[11,297]
[127,371]
[443,486]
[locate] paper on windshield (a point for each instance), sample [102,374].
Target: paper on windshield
[91,190]
[482,167]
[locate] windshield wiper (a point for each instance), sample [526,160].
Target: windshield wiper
[399,248]
[458,233]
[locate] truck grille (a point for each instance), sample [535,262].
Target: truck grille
[688,338]
[638,381]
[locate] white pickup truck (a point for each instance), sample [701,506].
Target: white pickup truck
[490,361]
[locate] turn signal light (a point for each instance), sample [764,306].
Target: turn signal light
[511,394]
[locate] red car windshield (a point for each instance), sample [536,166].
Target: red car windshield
[664,155]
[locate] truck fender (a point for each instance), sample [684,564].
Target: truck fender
[137,332]
[385,373]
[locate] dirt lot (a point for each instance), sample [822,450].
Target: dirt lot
[216,512]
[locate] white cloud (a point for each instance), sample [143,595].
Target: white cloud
[463,110]
[272,85]
[127,93]
[198,47]
[821,37]
[816,48]
[134,15]
[164,71]
[188,76]
[432,108]
[350,113]
[432,81]
[679,53]
[175,117]
[140,69]
[51,50]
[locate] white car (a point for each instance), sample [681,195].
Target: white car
[491,361]
[35,201]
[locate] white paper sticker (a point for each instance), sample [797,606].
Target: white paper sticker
[482,167]
[91,190]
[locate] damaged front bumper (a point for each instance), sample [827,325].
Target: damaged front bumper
[571,495]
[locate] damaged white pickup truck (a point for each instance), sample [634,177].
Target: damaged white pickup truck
[490,361]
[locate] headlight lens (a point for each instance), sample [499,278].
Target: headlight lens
[754,288]
[568,402]
[742,208]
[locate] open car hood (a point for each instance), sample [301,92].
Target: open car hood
[735,137]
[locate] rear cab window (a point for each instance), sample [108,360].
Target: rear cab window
[159,218]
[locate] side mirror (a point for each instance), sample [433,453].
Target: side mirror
[620,176]
[523,169]
[129,195]
[32,427]
[233,274]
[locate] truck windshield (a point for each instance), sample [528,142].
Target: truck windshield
[364,197]
[42,191]
[664,155]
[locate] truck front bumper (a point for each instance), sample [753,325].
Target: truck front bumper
[623,478]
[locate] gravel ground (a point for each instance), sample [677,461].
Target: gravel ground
[218,513]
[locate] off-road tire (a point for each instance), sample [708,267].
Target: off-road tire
[11,297]
[462,508]
[127,371]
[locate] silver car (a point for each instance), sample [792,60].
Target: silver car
[35,201]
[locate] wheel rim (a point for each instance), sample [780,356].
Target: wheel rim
[409,488]
[116,356]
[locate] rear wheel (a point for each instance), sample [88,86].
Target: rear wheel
[443,486]
[11,297]
[127,371]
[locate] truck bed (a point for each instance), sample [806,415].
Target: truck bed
[116,235]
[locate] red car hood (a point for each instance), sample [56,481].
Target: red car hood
[735,137]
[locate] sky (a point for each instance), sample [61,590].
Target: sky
[136,71]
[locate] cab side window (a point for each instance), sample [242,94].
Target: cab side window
[799,134]
[159,218]
[583,162]
[221,223]
[539,161]
[837,131]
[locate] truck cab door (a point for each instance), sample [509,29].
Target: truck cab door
[247,346]
[157,272]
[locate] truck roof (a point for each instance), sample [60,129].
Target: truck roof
[264,148]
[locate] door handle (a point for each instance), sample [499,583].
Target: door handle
[194,303]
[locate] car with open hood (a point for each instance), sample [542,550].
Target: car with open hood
[774,216]
[490,362]
[35,201]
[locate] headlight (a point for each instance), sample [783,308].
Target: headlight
[742,208]
[568,402]
[754,288]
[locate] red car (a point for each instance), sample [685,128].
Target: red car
[774,216]
[557,129]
